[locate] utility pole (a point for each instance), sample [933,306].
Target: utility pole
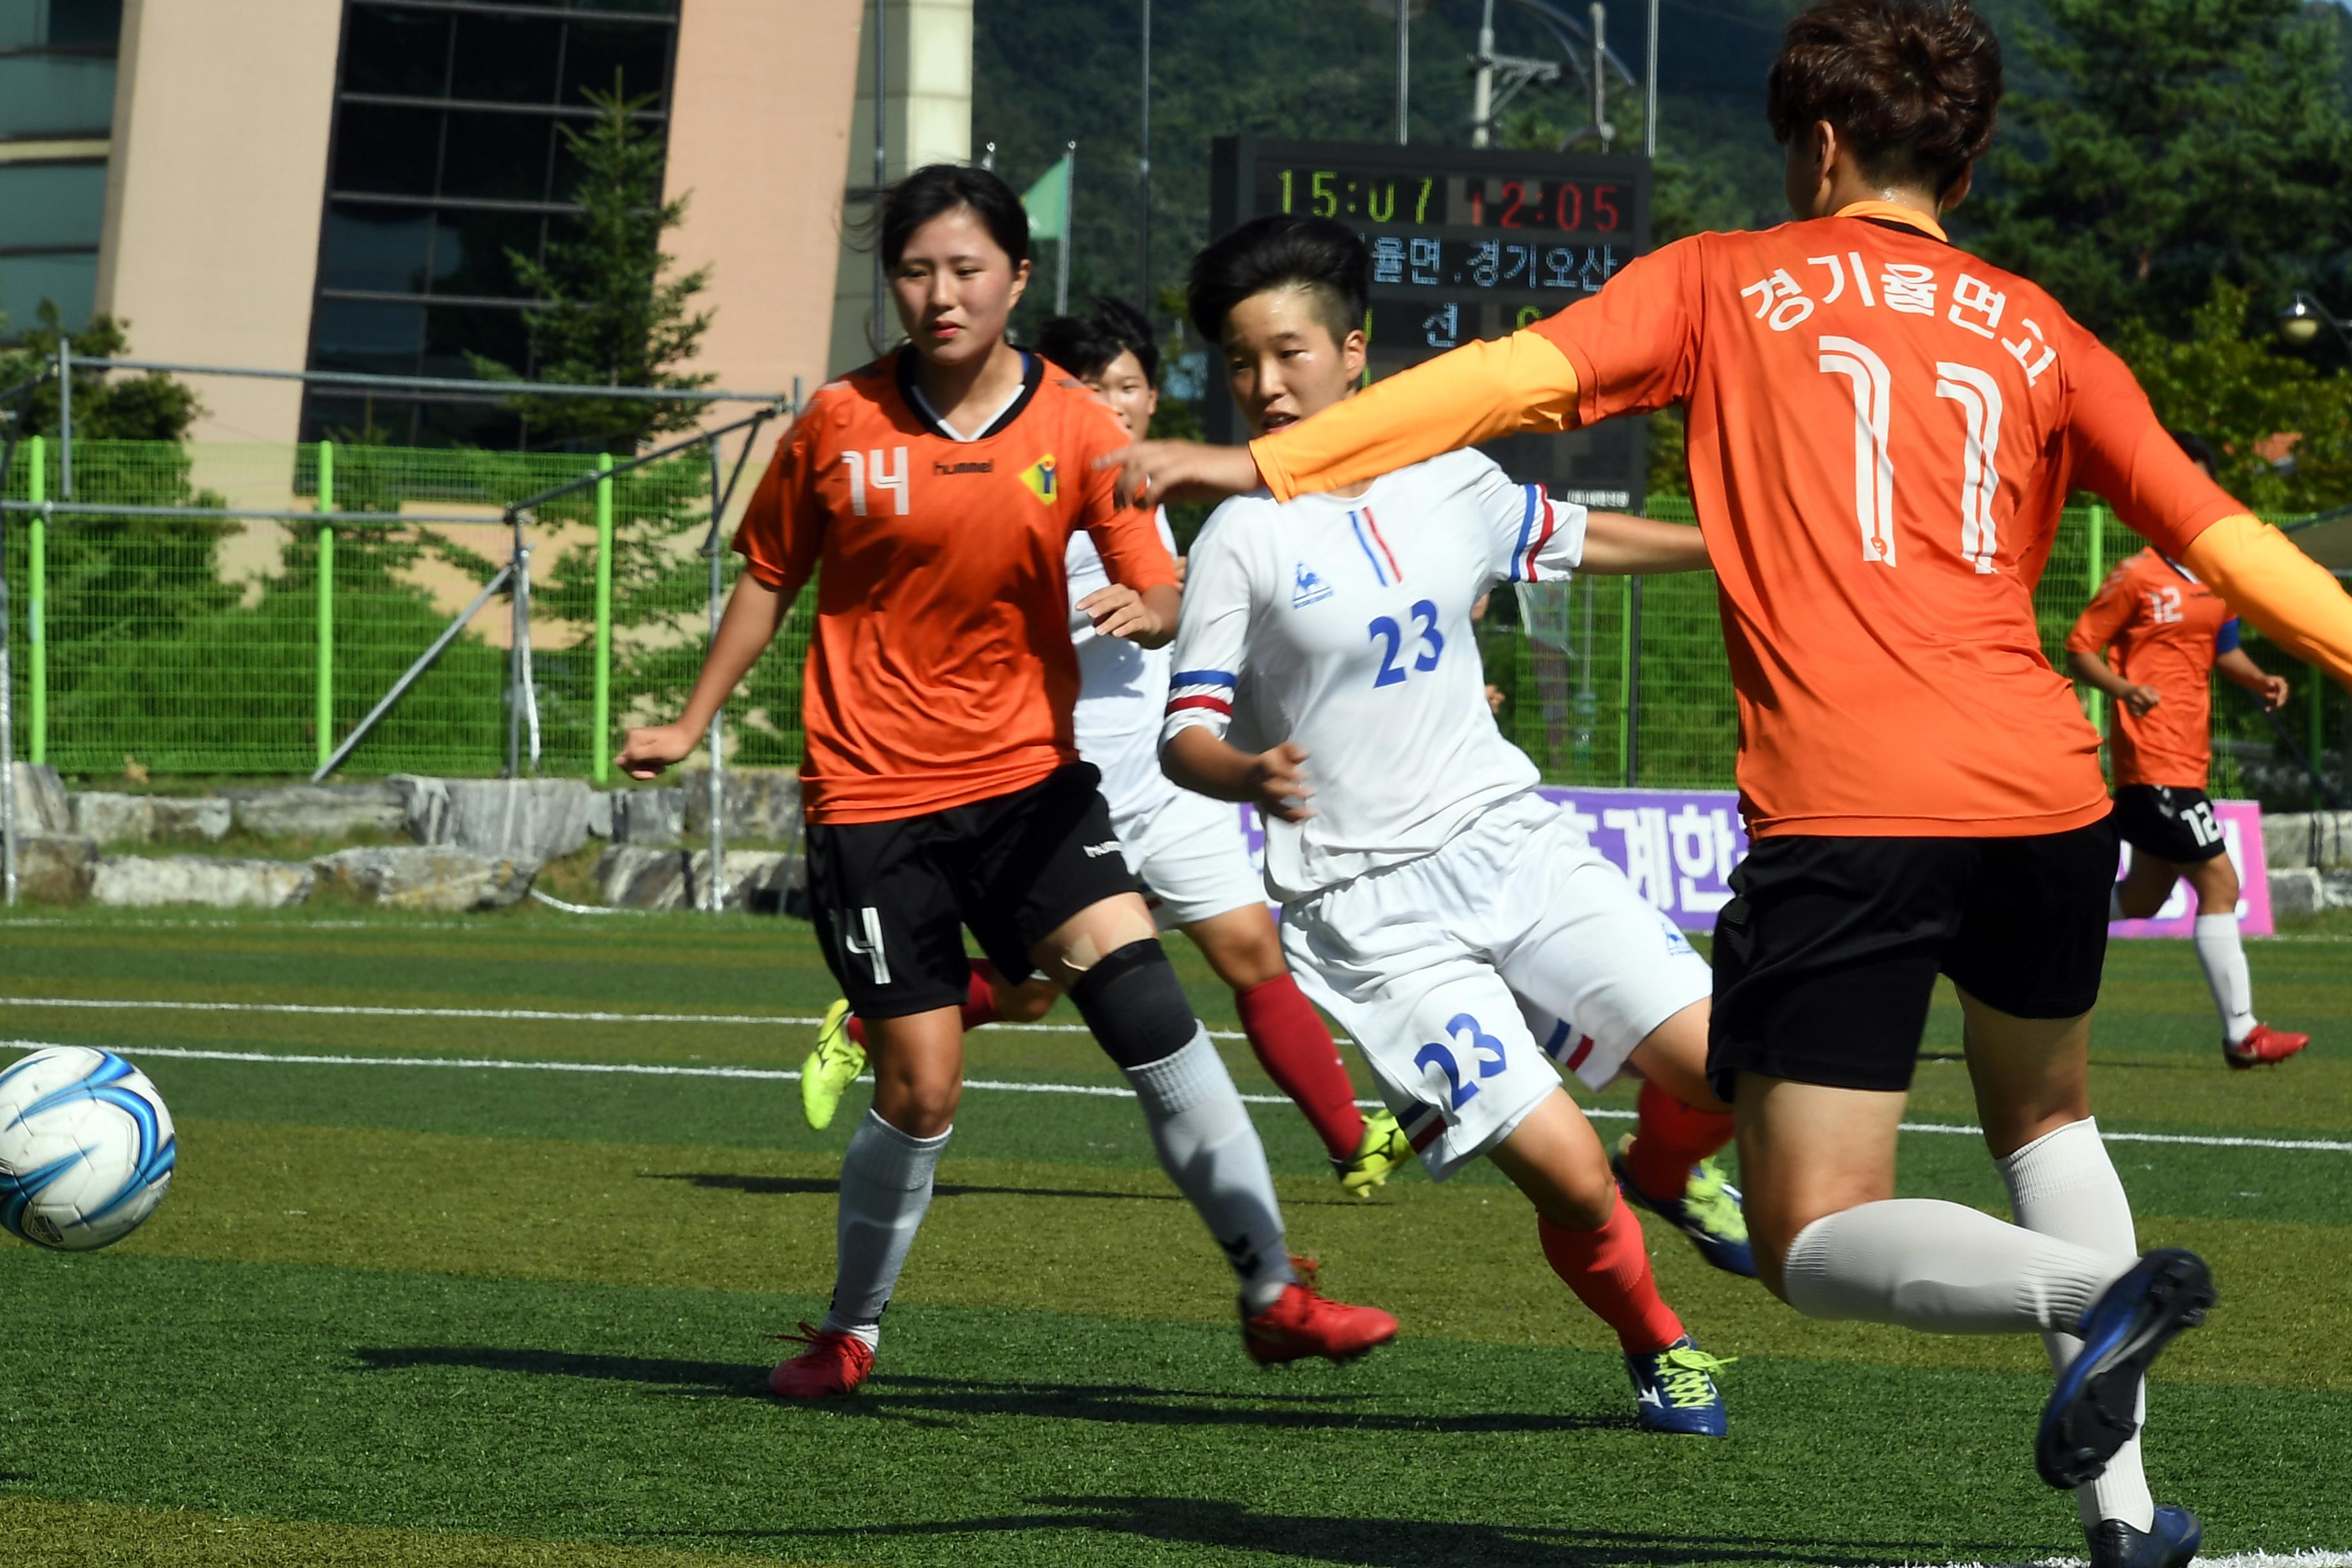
[1143,178]
[881,164]
[1607,132]
[1403,70]
[1482,81]
[1650,91]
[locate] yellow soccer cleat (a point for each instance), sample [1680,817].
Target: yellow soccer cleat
[830,1068]
[1384,1151]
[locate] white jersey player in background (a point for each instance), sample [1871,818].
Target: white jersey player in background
[1188,850]
[1430,898]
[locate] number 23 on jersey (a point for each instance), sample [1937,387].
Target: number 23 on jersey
[1390,637]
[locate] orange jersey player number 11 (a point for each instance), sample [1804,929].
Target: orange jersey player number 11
[1872,414]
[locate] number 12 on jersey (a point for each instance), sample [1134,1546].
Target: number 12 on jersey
[1978,397]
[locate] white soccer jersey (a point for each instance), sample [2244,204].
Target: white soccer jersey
[1344,625]
[1122,689]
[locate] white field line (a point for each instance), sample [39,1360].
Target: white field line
[630,1069]
[1105,1091]
[308,1009]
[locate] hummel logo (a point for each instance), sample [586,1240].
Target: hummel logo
[1306,588]
[1097,850]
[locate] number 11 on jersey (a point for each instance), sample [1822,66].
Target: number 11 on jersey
[1978,397]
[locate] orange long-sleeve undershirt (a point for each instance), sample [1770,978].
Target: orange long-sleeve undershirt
[2262,575]
[1501,387]
[1472,394]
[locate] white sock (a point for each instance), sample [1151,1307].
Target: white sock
[2115,903]
[886,1185]
[1942,1268]
[2064,1184]
[1210,1149]
[2224,958]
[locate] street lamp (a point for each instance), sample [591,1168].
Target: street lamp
[2299,323]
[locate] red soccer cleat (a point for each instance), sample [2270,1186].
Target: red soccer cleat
[831,1366]
[2265,1047]
[1303,1322]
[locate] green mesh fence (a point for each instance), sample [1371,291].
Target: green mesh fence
[1577,705]
[191,645]
[194,646]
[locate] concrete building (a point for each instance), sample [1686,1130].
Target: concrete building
[336,183]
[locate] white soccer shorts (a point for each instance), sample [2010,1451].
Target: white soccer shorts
[1191,855]
[1443,969]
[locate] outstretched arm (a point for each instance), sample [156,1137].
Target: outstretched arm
[2236,668]
[1472,394]
[2279,588]
[2091,669]
[754,611]
[1617,545]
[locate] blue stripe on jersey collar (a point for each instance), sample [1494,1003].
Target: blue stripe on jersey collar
[1357,522]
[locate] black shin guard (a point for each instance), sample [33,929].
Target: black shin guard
[1132,1002]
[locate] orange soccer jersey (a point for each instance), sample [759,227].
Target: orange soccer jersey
[2166,629]
[940,669]
[1883,431]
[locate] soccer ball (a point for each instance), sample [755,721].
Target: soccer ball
[85,1148]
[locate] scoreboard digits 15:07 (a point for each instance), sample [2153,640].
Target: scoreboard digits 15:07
[1465,244]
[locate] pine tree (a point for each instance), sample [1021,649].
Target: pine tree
[2182,141]
[607,315]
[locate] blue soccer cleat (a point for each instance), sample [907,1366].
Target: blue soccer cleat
[1707,1210]
[1674,1390]
[2171,1542]
[2092,1410]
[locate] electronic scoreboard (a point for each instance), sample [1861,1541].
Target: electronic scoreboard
[1467,244]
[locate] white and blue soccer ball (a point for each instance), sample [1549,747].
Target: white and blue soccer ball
[85,1148]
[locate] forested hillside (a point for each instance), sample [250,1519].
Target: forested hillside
[1051,71]
[2173,170]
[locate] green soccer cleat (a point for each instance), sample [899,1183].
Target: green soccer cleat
[1384,1151]
[830,1068]
[1707,1210]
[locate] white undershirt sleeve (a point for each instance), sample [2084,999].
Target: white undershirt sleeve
[1211,635]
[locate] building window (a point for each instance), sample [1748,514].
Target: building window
[445,156]
[56,115]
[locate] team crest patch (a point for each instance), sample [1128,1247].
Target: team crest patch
[1044,480]
[1305,587]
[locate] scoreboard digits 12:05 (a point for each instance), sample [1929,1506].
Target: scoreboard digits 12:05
[1465,244]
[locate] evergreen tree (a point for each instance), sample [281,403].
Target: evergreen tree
[2257,405]
[150,407]
[607,315]
[2181,140]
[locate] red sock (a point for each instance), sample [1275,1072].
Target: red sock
[980,994]
[979,1001]
[1669,1139]
[1297,1052]
[1609,1269]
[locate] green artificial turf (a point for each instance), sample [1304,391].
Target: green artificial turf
[467,1316]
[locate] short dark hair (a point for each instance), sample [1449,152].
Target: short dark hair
[1317,255]
[1914,85]
[1085,345]
[937,188]
[2200,450]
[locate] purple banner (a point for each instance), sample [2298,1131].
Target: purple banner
[1678,847]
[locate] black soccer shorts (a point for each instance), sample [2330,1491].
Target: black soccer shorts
[892,900]
[2174,825]
[1828,952]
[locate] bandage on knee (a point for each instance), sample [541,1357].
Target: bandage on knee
[1133,1003]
